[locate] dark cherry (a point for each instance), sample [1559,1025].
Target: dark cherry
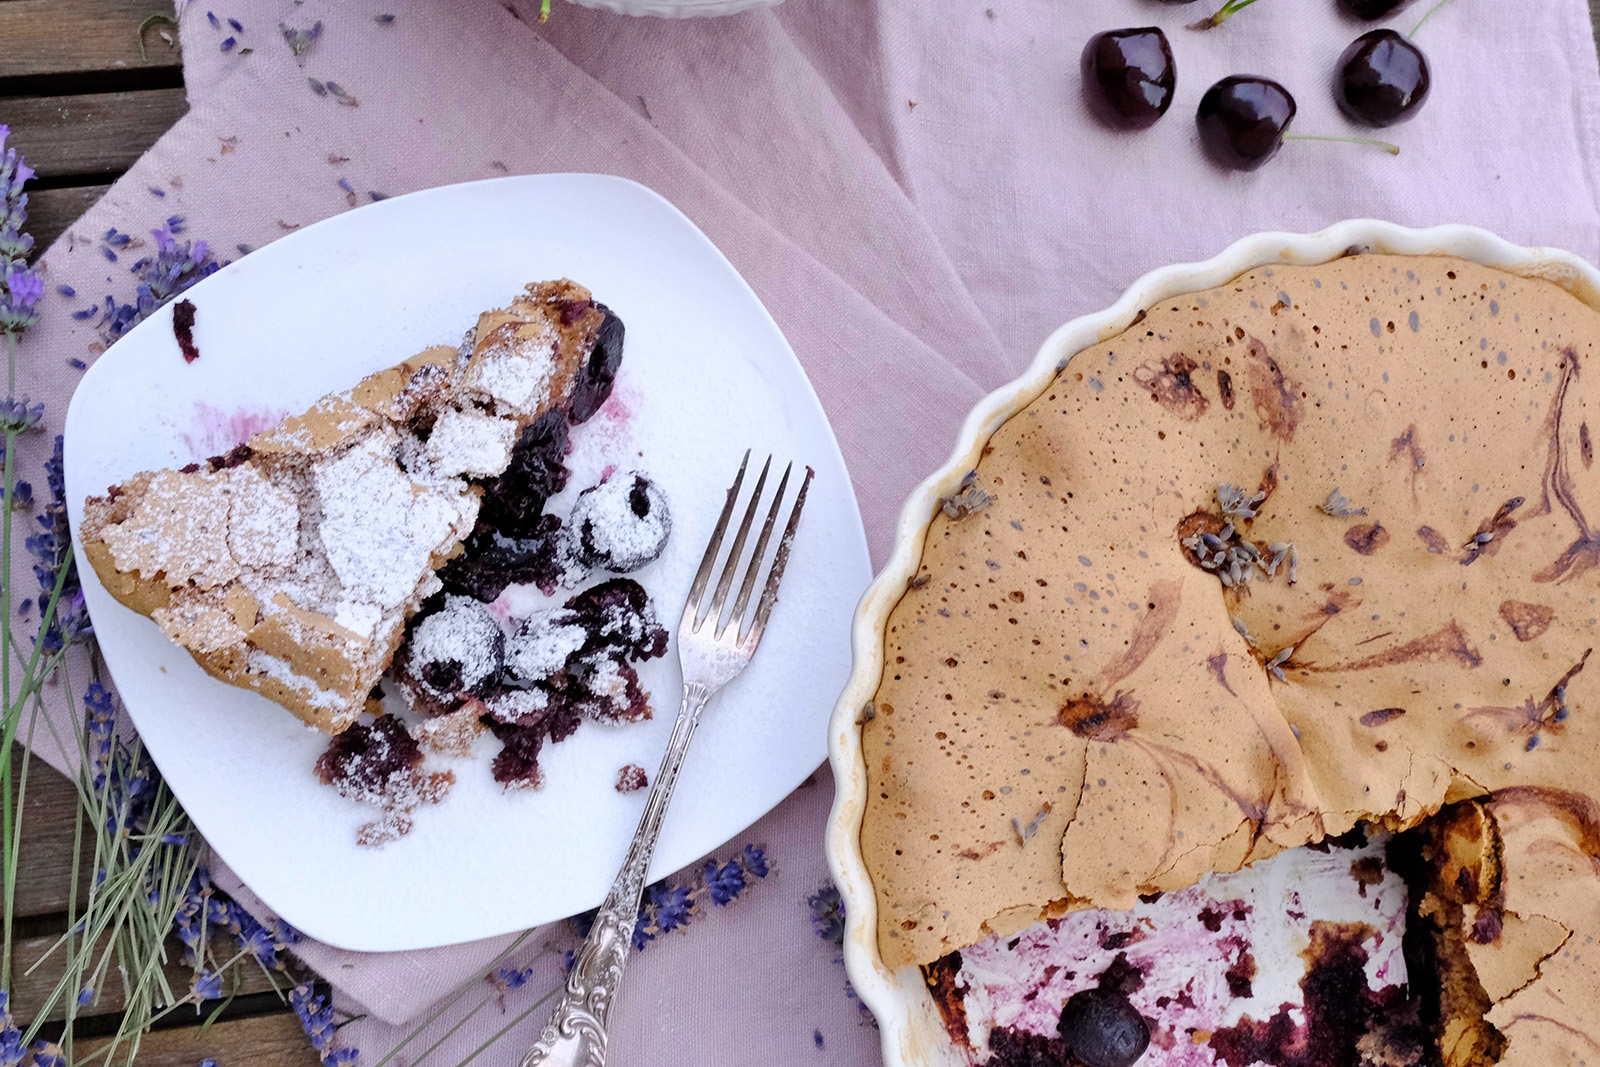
[1103,1029]
[1128,77]
[1373,9]
[599,369]
[1382,79]
[1242,119]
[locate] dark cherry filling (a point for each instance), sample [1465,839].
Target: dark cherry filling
[599,371]
[515,543]
[369,760]
[513,503]
[492,561]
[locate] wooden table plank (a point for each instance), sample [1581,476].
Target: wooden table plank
[32,989]
[51,211]
[44,871]
[263,1041]
[96,136]
[71,36]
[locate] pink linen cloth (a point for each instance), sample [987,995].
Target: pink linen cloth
[917,195]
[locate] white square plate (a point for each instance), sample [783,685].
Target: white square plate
[705,375]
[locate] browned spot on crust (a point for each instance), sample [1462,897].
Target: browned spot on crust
[1408,447]
[1274,396]
[1584,552]
[1433,539]
[1098,720]
[1442,646]
[1585,445]
[1366,537]
[1368,870]
[1526,620]
[980,853]
[1579,812]
[1225,387]
[951,1001]
[1173,386]
[1219,667]
[1381,716]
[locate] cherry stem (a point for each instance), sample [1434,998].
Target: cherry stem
[1424,21]
[1392,149]
[1222,15]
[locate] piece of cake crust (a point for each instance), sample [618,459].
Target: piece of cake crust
[290,565]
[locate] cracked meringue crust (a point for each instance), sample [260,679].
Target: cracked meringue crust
[1075,710]
[290,565]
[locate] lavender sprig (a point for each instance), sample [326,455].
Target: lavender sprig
[20,285]
[669,906]
[316,1018]
[175,267]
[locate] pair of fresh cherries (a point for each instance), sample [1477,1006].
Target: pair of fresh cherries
[1129,77]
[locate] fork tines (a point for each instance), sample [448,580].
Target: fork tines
[696,612]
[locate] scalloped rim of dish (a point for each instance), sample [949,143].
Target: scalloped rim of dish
[912,1034]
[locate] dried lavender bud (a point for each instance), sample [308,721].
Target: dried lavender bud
[1339,507]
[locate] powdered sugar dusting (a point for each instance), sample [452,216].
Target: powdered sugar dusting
[464,633]
[542,644]
[379,528]
[623,523]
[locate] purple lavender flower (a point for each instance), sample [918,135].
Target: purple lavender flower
[316,1018]
[50,550]
[827,914]
[216,23]
[383,20]
[85,995]
[725,883]
[205,986]
[20,285]
[11,1051]
[47,1054]
[300,41]
[175,267]
[755,862]
[228,43]
[236,25]
[507,978]
[671,906]
[19,416]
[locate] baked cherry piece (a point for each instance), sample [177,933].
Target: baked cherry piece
[367,762]
[1373,9]
[513,503]
[545,556]
[599,370]
[1128,77]
[1242,119]
[1382,79]
[623,523]
[1103,1029]
[451,654]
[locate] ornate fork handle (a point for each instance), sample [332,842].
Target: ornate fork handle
[575,1036]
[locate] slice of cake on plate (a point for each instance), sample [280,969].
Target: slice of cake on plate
[291,564]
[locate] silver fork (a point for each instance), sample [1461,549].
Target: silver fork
[712,652]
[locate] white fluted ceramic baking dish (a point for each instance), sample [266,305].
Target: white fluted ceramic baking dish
[912,1033]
